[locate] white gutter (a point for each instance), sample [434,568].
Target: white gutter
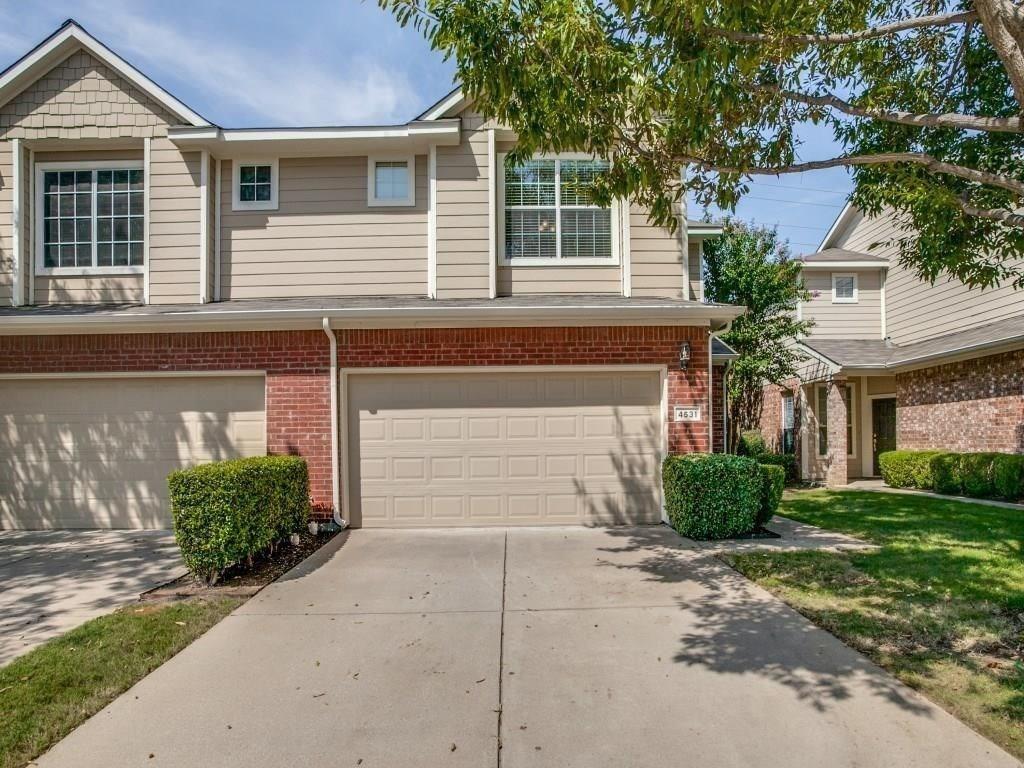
[384,317]
[335,478]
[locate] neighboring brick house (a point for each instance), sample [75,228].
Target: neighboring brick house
[449,339]
[900,362]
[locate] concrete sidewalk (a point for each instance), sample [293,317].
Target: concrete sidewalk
[589,648]
[52,581]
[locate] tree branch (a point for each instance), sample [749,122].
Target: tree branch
[936,20]
[1002,215]
[882,158]
[925,120]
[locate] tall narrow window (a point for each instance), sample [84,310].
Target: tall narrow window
[93,219]
[822,420]
[549,212]
[788,424]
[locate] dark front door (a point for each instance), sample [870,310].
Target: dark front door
[883,428]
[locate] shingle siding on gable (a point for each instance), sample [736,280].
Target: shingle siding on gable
[83,99]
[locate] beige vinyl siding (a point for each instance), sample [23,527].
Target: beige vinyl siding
[656,256]
[917,310]
[536,280]
[82,98]
[6,223]
[323,240]
[79,289]
[174,224]
[696,271]
[462,214]
[862,320]
[93,289]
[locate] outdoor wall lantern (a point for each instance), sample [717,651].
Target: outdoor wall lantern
[684,355]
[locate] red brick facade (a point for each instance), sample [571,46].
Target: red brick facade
[973,405]
[297,365]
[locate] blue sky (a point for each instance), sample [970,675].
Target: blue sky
[332,62]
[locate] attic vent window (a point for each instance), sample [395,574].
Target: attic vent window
[844,289]
[255,185]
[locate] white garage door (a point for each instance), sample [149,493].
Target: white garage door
[95,452]
[504,448]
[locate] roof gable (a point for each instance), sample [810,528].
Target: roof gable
[66,41]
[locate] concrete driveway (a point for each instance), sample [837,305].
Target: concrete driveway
[567,647]
[52,581]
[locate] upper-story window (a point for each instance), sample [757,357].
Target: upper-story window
[254,186]
[844,289]
[391,181]
[549,216]
[93,218]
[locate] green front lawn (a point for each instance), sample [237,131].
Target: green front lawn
[940,604]
[50,690]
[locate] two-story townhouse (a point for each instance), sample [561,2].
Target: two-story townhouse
[894,361]
[448,339]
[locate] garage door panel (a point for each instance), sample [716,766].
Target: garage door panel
[96,452]
[528,448]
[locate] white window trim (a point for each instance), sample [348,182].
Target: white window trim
[839,300]
[371,175]
[39,222]
[238,204]
[616,222]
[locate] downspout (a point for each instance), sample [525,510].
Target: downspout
[335,479]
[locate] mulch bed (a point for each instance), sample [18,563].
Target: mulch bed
[243,581]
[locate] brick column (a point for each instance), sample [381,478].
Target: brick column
[835,473]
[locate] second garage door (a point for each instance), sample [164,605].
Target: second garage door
[504,448]
[95,452]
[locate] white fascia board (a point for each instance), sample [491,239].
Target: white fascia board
[62,44]
[327,140]
[833,265]
[369,317]
[453,101]
[841,219]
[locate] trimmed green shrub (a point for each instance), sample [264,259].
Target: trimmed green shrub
[976,474]
[788,463]
[946,474]
[751,443]
[773,479]
[228,511]
[712,495]
[1008,476]
[907,469]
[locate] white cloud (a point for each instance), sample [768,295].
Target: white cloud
[281,87]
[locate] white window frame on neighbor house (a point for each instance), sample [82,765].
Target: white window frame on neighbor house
[371,181]
[558,260]
[851,422]
[40,223]
[836,298]
[237,204]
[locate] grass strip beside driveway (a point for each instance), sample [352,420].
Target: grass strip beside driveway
[50,690]
[940,604]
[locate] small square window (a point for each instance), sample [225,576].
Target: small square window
[390,181]
[844,289]
[255,185]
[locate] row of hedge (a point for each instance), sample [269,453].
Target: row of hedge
[228,512]
[718,495]
[980,475]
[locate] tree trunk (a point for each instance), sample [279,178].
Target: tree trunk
[999,19]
